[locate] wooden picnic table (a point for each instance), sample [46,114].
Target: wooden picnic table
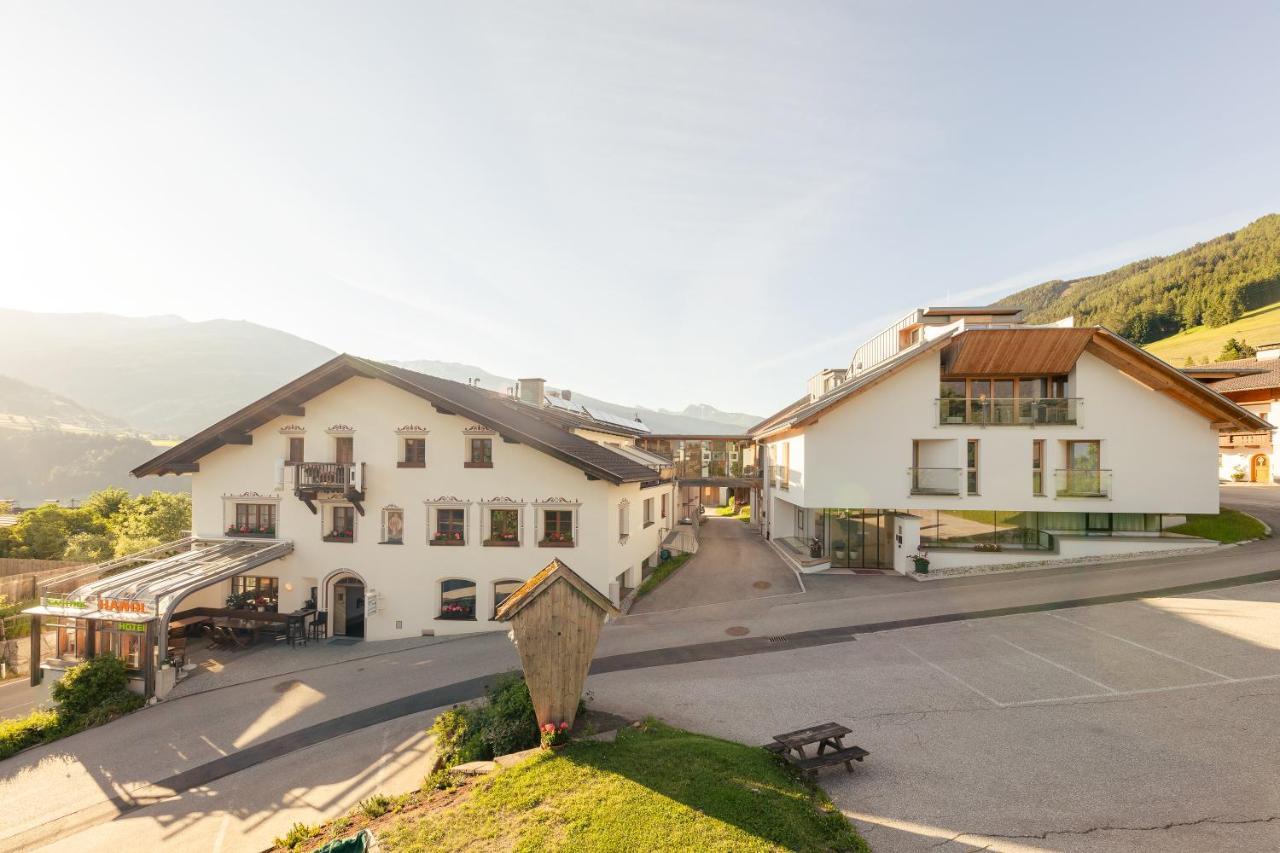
[829,738]
[251,626]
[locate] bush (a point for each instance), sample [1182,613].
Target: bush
[37,727]
[299,833]
[376,806]
[505,723]
[441,780]
[90,688]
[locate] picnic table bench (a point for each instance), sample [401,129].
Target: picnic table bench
[831,750]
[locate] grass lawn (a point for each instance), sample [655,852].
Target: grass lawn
[654,788]
[1257,327]
[664,571]
[1227,526]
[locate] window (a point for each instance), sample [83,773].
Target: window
[557,527]
[1010,400]
[344,450]
[254,520]
[648,512]
[971,467]
[414,453]
[126,645]
[343,527]
[457,599]
[393,526]
[624,520]
[254,593]
[785,467]
[296,452]
[451,526]
[481,453]
[1037,466]
[664,505]
[1084,455]
[504,527]
[501,590]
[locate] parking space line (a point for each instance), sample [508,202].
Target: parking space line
[1140,646]
[1120,694]
[957,679]
[1060,666]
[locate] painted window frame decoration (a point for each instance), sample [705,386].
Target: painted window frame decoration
[557,538]
[329,522]
[436,536]
[472,434]
[491,538]
[412,436]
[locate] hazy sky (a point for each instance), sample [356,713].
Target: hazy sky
[652,203]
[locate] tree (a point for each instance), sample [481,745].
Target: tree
[89,547]
[1233,350]
[108,503]
[42,533]
[152,520]
[1190,362]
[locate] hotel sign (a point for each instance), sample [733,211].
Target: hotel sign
[132,627]
[121,605]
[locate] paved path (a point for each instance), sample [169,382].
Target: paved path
[97,775]
[732,564]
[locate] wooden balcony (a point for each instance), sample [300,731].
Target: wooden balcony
[1259,441]
[344,479]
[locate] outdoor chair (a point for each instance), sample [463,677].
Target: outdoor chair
[215,640]
[229,638]
[297,631]
[178,651]
[320,625]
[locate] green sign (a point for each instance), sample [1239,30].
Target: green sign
[64,602]
[134,627]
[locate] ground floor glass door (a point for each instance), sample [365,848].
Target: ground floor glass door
[859,538]
[348,608]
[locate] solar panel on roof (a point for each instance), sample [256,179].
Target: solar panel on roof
[566,405]
[608,418]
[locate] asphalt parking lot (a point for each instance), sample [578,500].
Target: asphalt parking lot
[1144,725]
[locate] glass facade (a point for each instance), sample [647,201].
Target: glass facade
[855,538]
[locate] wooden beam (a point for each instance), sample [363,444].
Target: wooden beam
[441,410]
[182,468]
[289,409]
[236,438]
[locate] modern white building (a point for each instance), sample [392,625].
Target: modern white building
[965,433]
[414,504]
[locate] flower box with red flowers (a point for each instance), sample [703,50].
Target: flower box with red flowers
[556,539]
[503,540]
[341,536]
[456,611]
[554,735]
[448,538]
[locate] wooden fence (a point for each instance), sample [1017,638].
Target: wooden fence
[21,566]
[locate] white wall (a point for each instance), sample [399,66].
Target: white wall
[406,577]
[1163,455]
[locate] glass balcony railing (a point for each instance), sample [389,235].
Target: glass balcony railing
[1075,483]
[1036,411]
[935,481]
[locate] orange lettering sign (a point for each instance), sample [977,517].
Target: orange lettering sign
[121,605]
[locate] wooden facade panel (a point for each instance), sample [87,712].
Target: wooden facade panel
[1012,352]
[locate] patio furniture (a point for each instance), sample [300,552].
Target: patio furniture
[296,630]
[177,651]
[320,625]
[214,638]
[230,639]
[827,736]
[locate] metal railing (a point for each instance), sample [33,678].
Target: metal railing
[1002,411]
[1076,483]
[935,481]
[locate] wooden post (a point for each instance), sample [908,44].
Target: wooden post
[149,661]
[555,621]
[34,663]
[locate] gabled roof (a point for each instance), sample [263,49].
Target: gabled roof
[534,586]
[1001,350]
[509,419]
[1247,374]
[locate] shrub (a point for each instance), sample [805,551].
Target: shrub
[18,734]
[505,723]
[375,806]
[299,833]
[87,688]
[441,780]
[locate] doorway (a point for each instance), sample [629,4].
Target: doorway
[859,538]
[1261,467]
[348,607]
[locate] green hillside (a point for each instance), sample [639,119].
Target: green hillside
[1204,343]
[1211,284]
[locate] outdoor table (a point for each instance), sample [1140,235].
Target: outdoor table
[826,736]
[252,627]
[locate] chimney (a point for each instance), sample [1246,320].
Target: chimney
[565,395]
[1268,352]
[531,391]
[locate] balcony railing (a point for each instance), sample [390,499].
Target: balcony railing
[1073,483]
[1244,439]
[935,481]
[328,476]
[1038,411]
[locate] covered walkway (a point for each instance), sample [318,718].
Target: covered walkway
[124,606]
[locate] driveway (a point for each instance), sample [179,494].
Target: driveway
[1142,725]
[732,564]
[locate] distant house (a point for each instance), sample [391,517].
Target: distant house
[984,440]
[1253,383]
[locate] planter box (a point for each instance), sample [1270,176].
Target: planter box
[548,543]
[502,543]
[447,542]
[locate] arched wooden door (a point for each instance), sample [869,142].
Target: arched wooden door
[1261,469]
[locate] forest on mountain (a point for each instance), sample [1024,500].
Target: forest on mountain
[1211,284]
